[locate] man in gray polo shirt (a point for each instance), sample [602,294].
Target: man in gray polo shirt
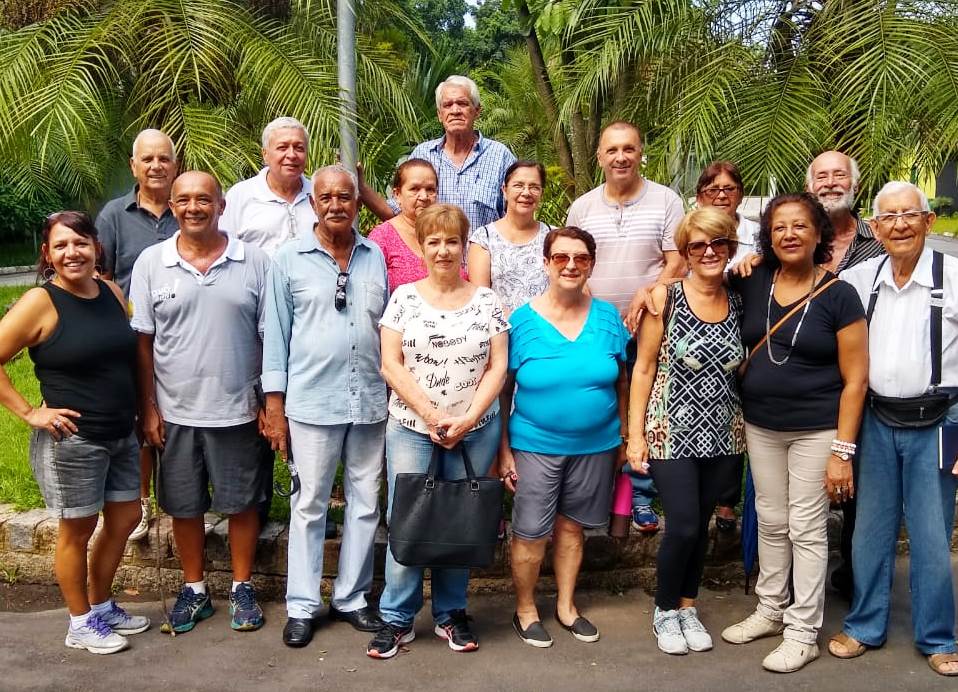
[127,226]
[198,305]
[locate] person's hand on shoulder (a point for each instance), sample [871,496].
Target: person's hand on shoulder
[745,266]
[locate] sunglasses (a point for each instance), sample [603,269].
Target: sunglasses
[720,246]
[561,259]
[339,301]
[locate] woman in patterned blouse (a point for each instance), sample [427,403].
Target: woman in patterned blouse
[685,417]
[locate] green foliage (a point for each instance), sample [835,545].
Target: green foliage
[940,204]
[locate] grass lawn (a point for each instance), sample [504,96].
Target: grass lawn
[948,226]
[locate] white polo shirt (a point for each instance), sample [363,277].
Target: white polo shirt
[257,215]
[899,342]
[207,331]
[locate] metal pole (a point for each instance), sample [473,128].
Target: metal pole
[346,53]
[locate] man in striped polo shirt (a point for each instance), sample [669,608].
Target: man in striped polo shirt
[632,220]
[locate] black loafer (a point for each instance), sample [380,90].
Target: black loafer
[364,620]
[724,524]
[581,629]
[298,632]
[533,635]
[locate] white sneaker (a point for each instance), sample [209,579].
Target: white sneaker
[123,623]
[789,656]
[668,632]
[96,637]
[755,626]
[144,526]
[696,636]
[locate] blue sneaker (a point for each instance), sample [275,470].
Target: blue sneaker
[190,608]
[245,613]
[644,519]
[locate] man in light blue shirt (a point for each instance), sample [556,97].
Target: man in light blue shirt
[325,395]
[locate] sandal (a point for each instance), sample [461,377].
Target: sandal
[937,662]
[852,648]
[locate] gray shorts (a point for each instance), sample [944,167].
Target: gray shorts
[578,486]
[77,475]
[193,459]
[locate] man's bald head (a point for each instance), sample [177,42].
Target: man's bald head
[197,202]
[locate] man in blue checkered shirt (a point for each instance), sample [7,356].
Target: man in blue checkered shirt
[471,168]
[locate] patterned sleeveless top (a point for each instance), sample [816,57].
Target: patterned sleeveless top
[694,409]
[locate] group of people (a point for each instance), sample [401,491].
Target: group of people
[463,322]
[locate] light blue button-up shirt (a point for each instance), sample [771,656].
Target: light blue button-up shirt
[326,362]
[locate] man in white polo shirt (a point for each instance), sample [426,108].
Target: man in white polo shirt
[198,305]
[632,220]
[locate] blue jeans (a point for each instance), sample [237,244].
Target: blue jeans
[408,451]
[643,487]
[900,466]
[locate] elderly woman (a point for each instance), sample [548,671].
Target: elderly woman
[802,396]
[83,451]
[444,354]
[414,187]
[567,352]
[720,187]
[685,418]
[506,255]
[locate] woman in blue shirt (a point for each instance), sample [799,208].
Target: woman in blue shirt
[566,355]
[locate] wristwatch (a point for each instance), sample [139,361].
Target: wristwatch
[844,456]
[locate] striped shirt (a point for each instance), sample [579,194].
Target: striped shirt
[630,238]
[864,246]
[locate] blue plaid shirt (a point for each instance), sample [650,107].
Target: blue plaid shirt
[476,188]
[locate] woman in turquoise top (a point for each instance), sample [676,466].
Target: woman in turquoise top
[566,356]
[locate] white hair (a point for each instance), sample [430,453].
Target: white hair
[283,123]
[856,174]
[459,81]
[340,170]
[896,186]
[150,133]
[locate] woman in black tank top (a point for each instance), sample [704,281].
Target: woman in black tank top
[83,451]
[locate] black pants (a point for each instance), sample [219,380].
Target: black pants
[688,489]
[732,493]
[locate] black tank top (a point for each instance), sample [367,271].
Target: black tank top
[88,363]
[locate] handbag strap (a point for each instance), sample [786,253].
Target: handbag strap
[438,452]
[778,325]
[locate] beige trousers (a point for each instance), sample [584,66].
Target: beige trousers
[788,469]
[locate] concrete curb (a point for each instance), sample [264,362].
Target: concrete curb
[18,270]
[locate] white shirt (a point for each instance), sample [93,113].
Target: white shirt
[259,216]
[747,239]
[899,343]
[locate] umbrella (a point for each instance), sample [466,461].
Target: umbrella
[749,527]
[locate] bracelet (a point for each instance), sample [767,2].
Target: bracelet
[842,447]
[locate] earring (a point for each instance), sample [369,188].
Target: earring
[49,274]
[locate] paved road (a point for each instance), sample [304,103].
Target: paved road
[212,657]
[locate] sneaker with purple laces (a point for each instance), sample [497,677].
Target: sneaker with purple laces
[122,622]
[95,636]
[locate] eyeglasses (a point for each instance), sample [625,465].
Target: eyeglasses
[720,246]
[340,297]
[531,188]
[912,218]
[714,192]
[561,259]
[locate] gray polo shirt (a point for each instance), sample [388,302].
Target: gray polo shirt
[208,331]
[125,230]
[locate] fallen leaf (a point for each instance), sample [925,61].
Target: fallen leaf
[131,592]
[350,670]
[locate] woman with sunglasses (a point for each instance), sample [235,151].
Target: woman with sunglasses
[685,417]
[83,452]
[566,354]
[507,255]
[720,187]
[444,352]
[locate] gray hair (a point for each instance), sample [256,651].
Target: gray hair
[459,81]
[339,170]
[896,186]
[283,123]
[856,173]
[149,133]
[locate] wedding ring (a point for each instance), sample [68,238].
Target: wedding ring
[56,423]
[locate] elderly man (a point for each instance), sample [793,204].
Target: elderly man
[273,206]
[325,395]
[128,225]
[471,168]
[632,220]
[913,358]
[198,307]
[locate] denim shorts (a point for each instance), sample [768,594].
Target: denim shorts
[230,459]
[77,475]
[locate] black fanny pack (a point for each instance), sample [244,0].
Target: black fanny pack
[911,412]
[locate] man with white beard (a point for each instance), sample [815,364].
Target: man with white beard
[833,178]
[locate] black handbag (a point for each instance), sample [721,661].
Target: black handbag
[443,523]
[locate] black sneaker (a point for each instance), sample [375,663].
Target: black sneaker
[388,639]
[456,632]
